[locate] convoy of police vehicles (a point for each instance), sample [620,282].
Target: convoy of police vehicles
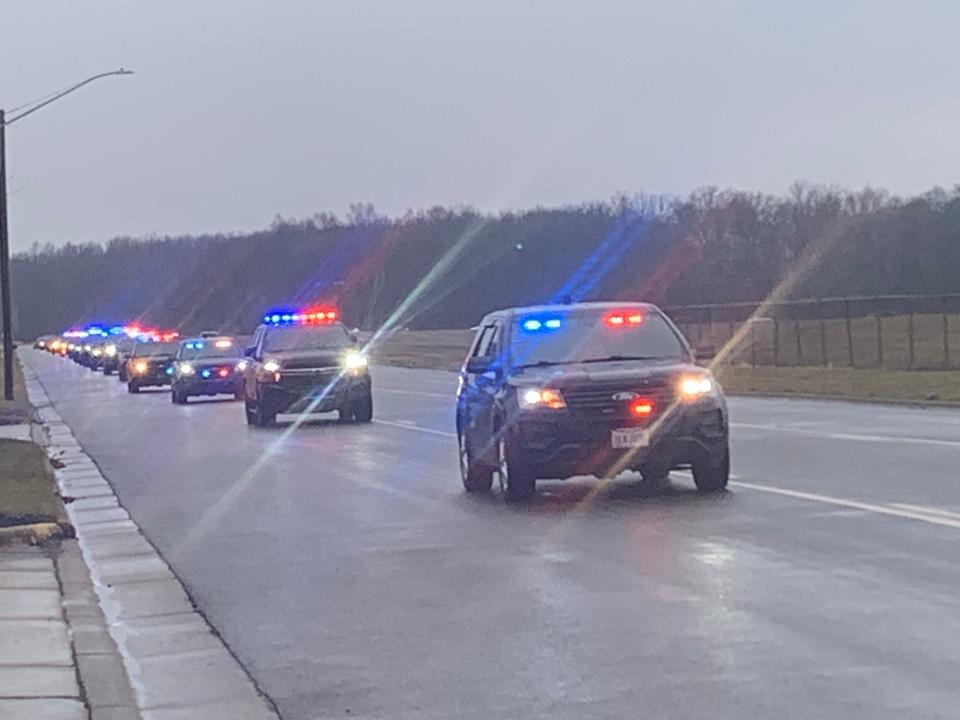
[546,392]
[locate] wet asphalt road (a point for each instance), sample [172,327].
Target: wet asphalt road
[353,578]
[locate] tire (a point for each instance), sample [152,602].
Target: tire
[107,371]
[362,405]
[132,387]
[178,397]
[257,416]
[712,474]
[476,478]
[655,476]
[122,375]
[239,395]
[517,480]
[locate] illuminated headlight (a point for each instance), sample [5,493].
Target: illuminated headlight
[186,369]
[540,398]
[694,387]
[354,360]
[97,352]
[140,367]
[87,348]
[271,366]
[110,350]
[242,365]
[41,344]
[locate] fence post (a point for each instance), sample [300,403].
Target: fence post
[846,312]
[709,324]
[879,342]
[776,339]
[823,334]
[753,343]
[796,332]
[946,335]
[910,336]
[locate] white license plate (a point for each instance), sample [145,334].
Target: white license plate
[629,438]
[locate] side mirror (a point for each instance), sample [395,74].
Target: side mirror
[479,365]
[249,352]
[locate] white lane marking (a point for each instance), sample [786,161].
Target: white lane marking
[923,514]
[927,509]
[847,436]
[855,504]
[417,428]
[445,396]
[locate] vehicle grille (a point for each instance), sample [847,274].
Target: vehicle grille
[595,402]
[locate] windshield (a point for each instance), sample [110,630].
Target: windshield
[586,337]
[307,337]
[209,348]
[159,348]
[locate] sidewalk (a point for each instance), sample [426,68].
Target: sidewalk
[57,661]
[124,640]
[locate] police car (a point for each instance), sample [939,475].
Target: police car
[207,365]
[305,361]
[556,391]
[151,364]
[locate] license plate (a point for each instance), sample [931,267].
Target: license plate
[629,438]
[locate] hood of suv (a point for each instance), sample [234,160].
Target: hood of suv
[640,372]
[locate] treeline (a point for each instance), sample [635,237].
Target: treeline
[443,267]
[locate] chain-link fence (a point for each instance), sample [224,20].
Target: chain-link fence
[904,332]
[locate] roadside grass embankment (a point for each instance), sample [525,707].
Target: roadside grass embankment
[445,350]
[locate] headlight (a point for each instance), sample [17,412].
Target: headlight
[87,348]
[538,398]
[186,369]
[271,366]
[242,365]
[140,366]
[97,352]
[354,360]
[110,350]
[694,387]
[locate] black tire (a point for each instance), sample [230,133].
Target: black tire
[178,397]
[517,480]
[133,387]
[257,415]
[122,375]
[711,474]
[476,478]
[655,476]
[239,395]
[362,404]
[107,371]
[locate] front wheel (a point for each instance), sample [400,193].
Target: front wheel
[711,474]
[133,387]
[517,480]
[362,404]
[178,397]
[257,415]
[476,478]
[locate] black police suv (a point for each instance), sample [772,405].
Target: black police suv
[151,364]
[110,354]
[207,366]
[557,391]
[311,366]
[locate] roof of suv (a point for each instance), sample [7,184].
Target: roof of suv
[563,307]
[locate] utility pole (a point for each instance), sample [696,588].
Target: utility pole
[5,295]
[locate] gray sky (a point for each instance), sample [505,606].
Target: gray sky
[242,109]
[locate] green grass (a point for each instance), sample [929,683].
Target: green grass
[26,487]
[937,387]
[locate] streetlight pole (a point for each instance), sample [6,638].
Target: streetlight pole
[5,294]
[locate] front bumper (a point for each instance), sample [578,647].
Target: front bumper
[558,445]
[196,385]
[316,393]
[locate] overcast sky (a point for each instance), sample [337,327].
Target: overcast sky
[242,109]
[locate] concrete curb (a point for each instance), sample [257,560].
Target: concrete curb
[176,664]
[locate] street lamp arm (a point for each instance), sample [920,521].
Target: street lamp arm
[121,71]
